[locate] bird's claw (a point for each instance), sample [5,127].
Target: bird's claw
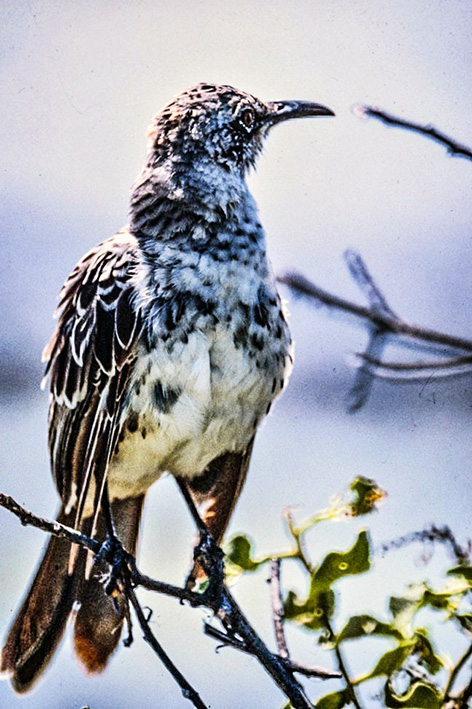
[209,556]
[115,555]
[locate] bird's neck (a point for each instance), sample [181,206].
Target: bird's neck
[173,196]
[197,220]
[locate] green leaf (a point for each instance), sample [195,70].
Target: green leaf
[366,496]
[239,553]
[311,613]
[323,610]
[336,564]
[419,695]
[362,625]
[402,609]
[336,700]
[464,571]
[439,601]
[425,649]
[465,619]
[294,609]
[390,661]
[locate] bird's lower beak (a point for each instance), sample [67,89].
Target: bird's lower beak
[285,110]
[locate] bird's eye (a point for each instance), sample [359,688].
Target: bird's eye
[247,118]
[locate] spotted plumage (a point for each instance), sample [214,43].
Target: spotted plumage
[171,346]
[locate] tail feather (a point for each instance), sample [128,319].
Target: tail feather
[100,618]
[40,623]
[41,620]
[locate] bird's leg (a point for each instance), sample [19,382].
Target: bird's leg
[207,554]
[210,557]
[111,551]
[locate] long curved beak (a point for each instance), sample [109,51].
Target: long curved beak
[286,110]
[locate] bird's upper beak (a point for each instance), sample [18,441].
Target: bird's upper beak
[285,110]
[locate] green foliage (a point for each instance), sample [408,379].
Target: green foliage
[366,497]
[391,661]
[361,625]
[311,613]
[419,695]
[464,571]
[336,700]
[410,653]
[319,605]
[336,564]
[238,553]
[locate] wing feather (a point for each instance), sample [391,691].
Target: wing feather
[89,360]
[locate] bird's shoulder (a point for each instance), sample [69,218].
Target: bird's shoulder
[98,321]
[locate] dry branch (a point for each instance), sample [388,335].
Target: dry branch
[238,631]
[383,324]
[453,147]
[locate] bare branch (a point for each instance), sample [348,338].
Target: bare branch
[383,323]
[187,690]
[277,607]
[301,285]
[453,148]
[293,666]
[59,530]
[363,278]
[275,665]
[453,367]
[221,603]
[441,535]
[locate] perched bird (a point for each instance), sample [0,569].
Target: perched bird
[171,346]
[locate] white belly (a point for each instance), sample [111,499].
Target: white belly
[217,398]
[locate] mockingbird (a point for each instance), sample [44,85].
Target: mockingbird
[170,348]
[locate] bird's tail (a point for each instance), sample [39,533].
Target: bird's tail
[100,618]
[40,622]
[39,625]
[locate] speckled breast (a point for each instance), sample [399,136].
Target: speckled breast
[201,392]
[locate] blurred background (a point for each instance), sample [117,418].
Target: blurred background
[80,83]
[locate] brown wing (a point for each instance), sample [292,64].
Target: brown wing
[89,360]
[215,494]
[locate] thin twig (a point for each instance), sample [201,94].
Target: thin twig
[304,287]
[292,665]
[297,534]
[56,528]
[451,367]
[442,535]
[187,690]
[364,378]
[277,607]
[362,276]
[453,147]
[455,672]
[225,639]
[342,666]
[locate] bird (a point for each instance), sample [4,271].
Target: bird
[171,345]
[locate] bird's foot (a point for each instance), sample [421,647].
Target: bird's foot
[209,558]
[115,555]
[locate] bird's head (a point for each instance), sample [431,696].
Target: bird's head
[221,124]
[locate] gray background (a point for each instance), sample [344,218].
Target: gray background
[80,82]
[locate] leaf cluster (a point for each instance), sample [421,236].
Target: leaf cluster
[413,672]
